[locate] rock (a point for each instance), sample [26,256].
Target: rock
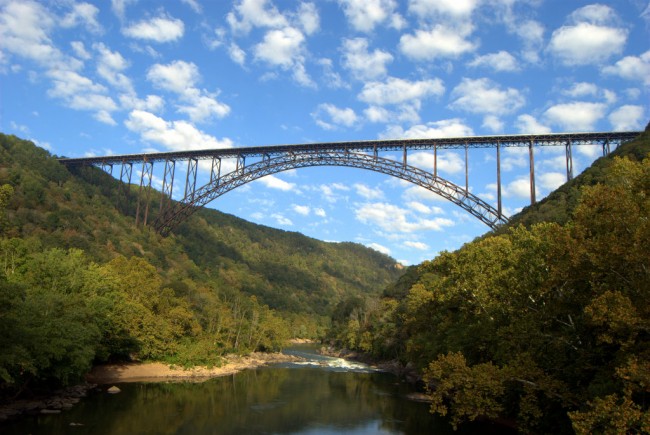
[50,411]
[113,390]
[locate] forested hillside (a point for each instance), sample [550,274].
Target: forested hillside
[546,325]
[81,283]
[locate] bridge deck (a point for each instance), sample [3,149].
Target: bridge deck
[553,139]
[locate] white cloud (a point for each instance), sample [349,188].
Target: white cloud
[493,123]
[336,116]
[448,8]
[308,18]
[281,219]
[395,90]
[424,209]
[484,96]
[576,116]
[439,42]
[379,248]
[394,219]
[590,39]
[363,64]
[627,118]
[365,15]
[273,182]
[172,135]
[159,29]
[255,13]
[632,68]
[237,54]
[443,128]
[550,180]
[110,65]
[82,14]
[416,245]
[303,210]
[329,191]
[320,212]
[527,124]
[280,47]
[581,89]
[194,5]
[500,61]
[367,192]
[177,76]
[181,78]
[447,161]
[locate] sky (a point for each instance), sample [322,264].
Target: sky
[130,76]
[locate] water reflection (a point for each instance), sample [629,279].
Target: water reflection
[273,400]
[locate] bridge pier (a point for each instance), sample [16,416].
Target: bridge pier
[499,210]
[145,190]
[569,161]
[531,158]
[168,183]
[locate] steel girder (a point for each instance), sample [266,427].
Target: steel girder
[244,174]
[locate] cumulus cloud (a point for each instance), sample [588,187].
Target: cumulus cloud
[82,14]
[416,245]
[576,116]
[273,182]
[336,116]
[591,37]
[379,248]
[364,65]
[368,192]
[486,97]
[627,118]
[394,219]
[172,135]
[446,8]
[160,29]
[255,13]
[528,124]
[501,61]
[395,91]
[302,210]
[435,129]
[365,15]
[441,41]
[181,78]
[636,68]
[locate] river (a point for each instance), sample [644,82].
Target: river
[320,396]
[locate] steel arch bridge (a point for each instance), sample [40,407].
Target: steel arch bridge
[360,154]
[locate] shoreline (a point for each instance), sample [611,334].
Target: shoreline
[162,372]
[102,376]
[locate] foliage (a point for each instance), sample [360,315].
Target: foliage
[546,324]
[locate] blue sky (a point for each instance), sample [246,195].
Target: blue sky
[126,76]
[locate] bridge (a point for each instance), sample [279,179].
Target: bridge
[251,163]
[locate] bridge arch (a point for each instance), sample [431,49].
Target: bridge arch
[179,211]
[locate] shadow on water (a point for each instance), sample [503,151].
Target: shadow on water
[321,398]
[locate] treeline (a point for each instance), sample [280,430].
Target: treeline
[61,312]
[546,325]
[81,284]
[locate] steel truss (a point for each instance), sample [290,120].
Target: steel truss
[267,166]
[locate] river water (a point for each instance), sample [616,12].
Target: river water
[320,396]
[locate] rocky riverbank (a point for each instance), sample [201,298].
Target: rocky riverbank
[102,377]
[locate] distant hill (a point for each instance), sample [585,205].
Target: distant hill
[85,208]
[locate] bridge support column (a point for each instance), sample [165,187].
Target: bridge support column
[241,163]
[606,147]
[531,157]
[435,161]
[215,171]
[466,170]
[190,178]
[499,179]
[144,194]
[125,178]
[108,168]
[168,183]
[569,161]
[404,161]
